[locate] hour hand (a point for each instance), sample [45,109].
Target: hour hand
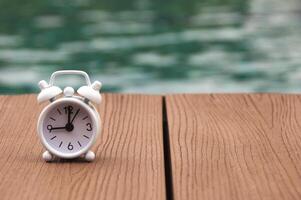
[50,128]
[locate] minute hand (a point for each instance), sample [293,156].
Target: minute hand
[69,114]
[74,116]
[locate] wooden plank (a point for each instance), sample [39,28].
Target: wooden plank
[235,146]
[129,162]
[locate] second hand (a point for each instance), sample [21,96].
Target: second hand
[74,116]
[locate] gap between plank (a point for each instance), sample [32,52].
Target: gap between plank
[167,155]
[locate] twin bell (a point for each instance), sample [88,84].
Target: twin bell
[89,92]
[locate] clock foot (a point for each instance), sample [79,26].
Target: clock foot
[90,156]
[47,156]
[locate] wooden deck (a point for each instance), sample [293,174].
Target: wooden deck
[177,147]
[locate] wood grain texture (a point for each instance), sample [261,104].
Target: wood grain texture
[235,146]
[129,154]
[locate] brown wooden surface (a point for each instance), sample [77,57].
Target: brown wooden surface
[129,154]
[220,147]
[235,146]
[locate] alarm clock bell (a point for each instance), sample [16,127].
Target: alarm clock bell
[91,92]
[47,92]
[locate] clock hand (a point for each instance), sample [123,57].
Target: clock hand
[69,114]
[74,115]
[50,128]
[58,128]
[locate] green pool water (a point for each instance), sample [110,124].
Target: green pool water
[153,46]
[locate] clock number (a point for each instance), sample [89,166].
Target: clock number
[70,146]
[49,128]
[89,127]
[68,108]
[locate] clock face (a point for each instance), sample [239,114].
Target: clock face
[68,127]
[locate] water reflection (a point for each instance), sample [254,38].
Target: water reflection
[153,46]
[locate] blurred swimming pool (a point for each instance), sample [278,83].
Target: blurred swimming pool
[153,46]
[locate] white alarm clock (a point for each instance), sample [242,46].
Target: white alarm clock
[70,124]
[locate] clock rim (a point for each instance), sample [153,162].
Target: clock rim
[94,118]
